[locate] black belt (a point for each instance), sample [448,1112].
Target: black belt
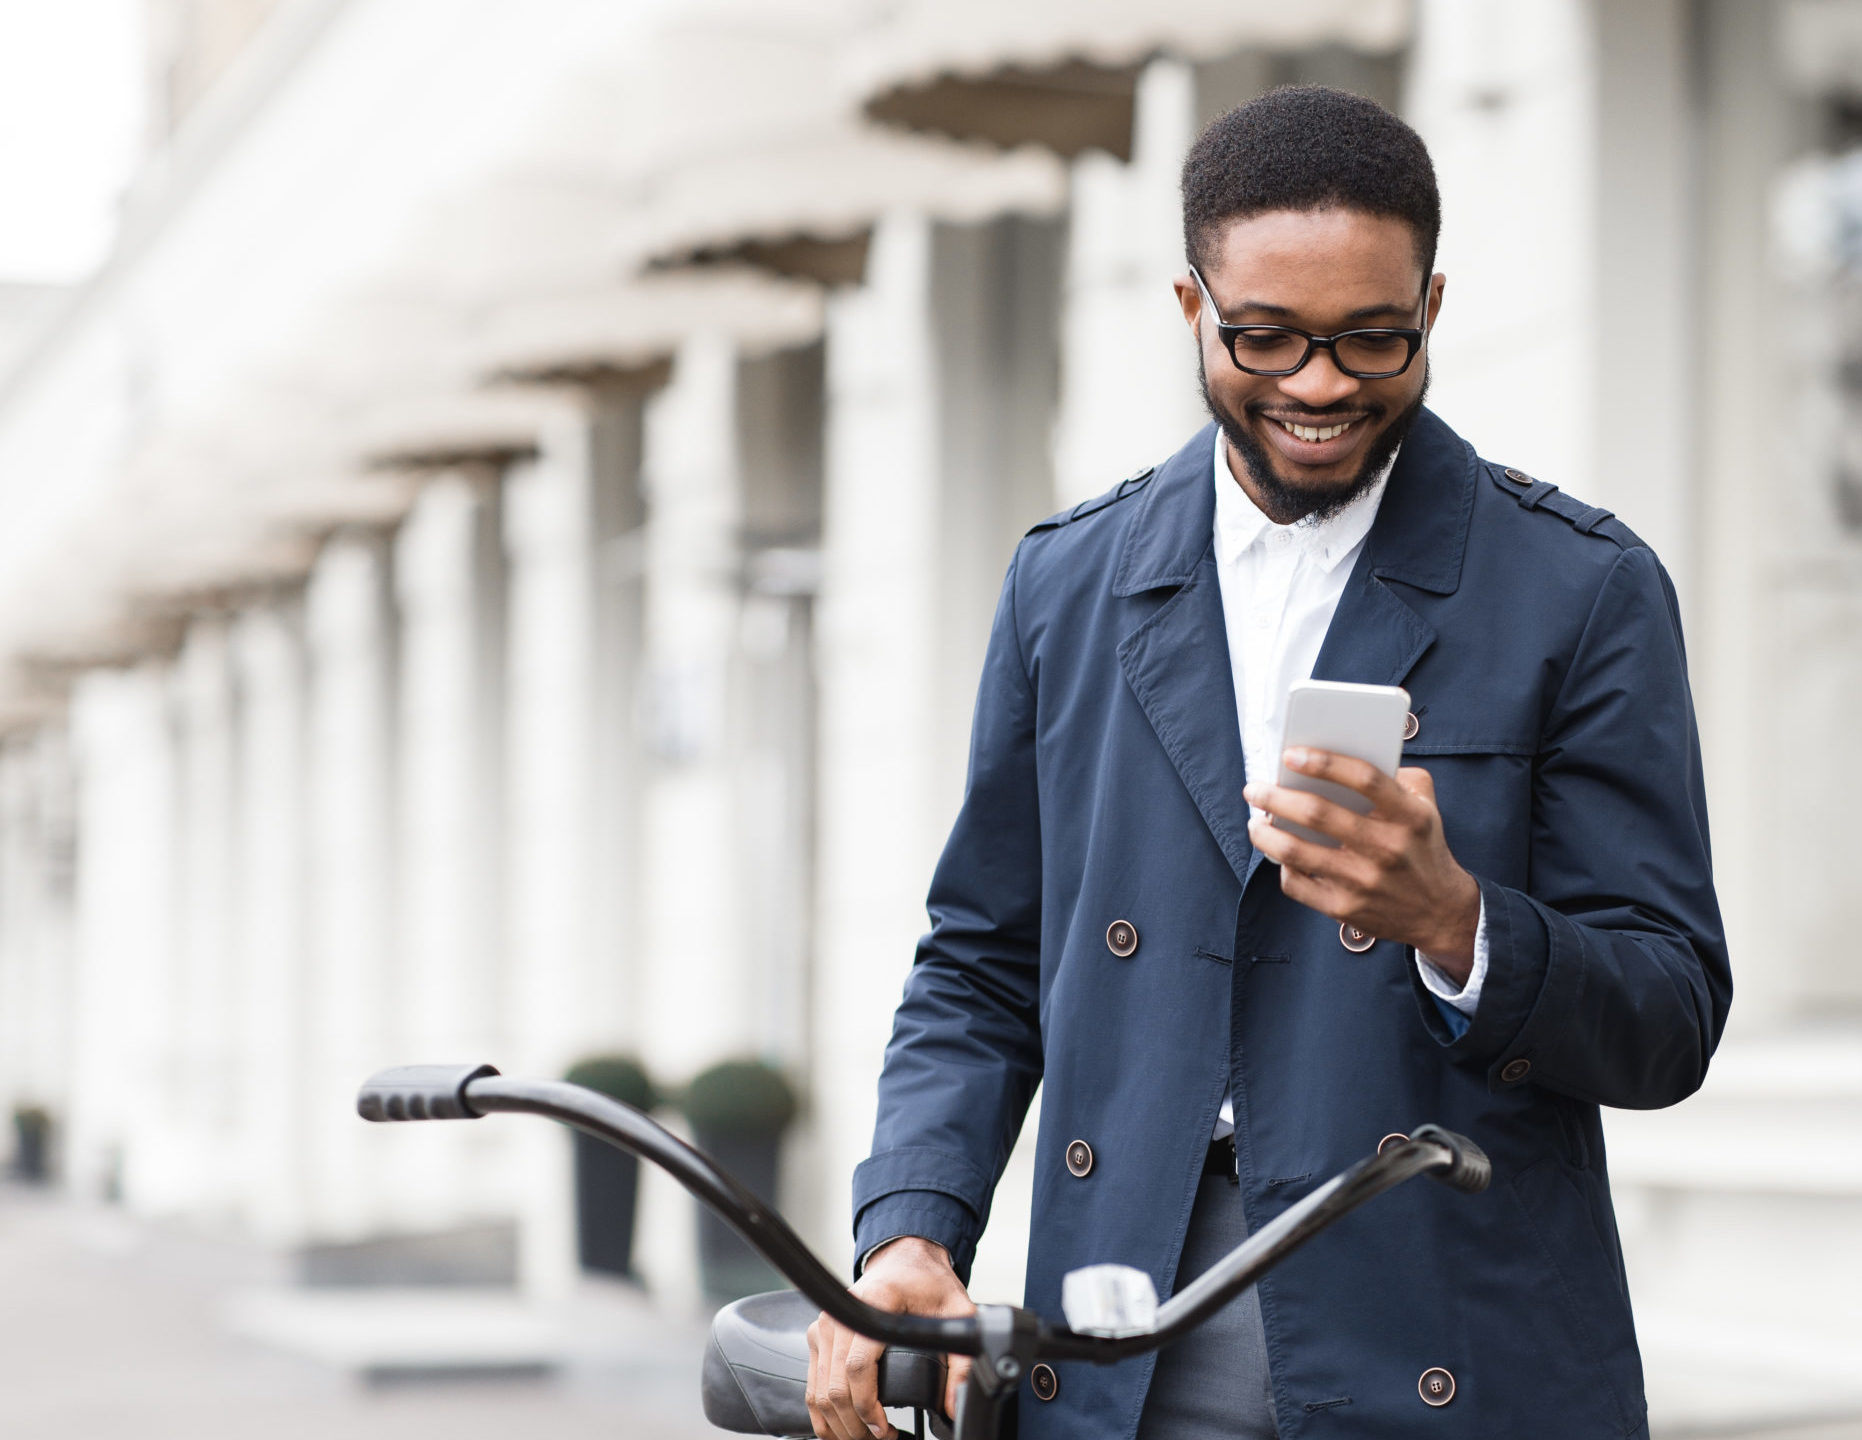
[1221,1158]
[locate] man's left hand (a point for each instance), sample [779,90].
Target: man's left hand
[1392,875]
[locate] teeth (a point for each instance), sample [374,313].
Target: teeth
[1315,433]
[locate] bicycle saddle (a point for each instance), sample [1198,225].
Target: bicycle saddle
[756,1368]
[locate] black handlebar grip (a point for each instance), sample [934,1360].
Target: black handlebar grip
[420,1092]
[1470,1171]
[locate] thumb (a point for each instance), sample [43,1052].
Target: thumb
[1417,781]
[959,1377]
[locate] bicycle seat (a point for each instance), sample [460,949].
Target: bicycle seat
[756,1368]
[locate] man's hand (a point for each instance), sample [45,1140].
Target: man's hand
[1393,876]
[909,1276]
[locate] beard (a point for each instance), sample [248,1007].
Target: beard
[1285,501]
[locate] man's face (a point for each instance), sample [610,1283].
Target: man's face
[1321,271]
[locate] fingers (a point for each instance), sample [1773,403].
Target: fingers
[862,1371]
[843,1384]
[959,1377]
[1346,770]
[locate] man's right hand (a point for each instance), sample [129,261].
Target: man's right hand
[909,1276]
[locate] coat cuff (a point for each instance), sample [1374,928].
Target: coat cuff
[1527,996]
[919,1190]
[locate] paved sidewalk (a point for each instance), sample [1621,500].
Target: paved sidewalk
[111,1330]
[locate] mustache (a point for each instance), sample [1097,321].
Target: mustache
[1343,410]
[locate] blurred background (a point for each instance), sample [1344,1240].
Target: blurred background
[500,508]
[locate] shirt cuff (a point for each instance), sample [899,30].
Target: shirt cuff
[1465,998]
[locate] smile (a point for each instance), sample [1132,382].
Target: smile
[1314,434]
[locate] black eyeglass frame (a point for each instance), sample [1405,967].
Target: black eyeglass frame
[1413,336]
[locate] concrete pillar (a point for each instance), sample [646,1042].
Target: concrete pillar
[124,1139]
[1504,96]
[929,461]
[1129,395]
[452,1000]
[35,923]
[694,1000]
[573,650]
[276,1091]
[207,977]
[351,1018]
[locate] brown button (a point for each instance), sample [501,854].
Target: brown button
[1080,1159]
[1353,939]
[1518,477]
[1411,725]
[1122,939]
[1437,1386]
[1044,1382]
[1516,1070]
[1394,1138]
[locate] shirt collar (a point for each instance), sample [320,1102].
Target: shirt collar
[1240,523]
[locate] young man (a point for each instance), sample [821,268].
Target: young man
[1523,929]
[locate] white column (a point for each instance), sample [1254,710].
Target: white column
[694,1002]
[878,834]
[570,779]
[1129,396]
[276,1096]
[350,870]
[940,394]
[127,1039]
[207,980]
[1504,97]
[452,1003]
[35,923]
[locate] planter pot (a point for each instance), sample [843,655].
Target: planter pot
[32,1133]
[607,1188]
[728,1268]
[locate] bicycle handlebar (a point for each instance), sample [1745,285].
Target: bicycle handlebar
[466,1092]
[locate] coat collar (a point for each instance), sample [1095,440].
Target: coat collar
[1176,659]
[1419,538]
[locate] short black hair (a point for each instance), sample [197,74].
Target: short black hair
[1308,147]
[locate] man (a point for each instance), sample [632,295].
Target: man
[1523,928]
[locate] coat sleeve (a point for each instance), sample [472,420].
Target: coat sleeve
[965,1054]
[1608,975]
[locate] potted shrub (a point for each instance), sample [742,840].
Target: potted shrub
[738,1111]
[607,1180]
[32,1143]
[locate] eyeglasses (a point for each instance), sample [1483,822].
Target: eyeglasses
[1281,350]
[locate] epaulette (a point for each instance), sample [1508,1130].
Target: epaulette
[1534,494]
[1130,485]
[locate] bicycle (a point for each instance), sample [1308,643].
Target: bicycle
[756,1363]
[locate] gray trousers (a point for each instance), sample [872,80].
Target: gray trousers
[1212,1384]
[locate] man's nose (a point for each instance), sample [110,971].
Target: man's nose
[1319,382]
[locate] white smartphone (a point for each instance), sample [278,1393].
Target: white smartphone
[1364,721]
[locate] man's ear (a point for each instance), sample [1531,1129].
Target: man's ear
[1438,286]
[1191,300]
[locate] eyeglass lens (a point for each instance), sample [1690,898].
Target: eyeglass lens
[1363,352]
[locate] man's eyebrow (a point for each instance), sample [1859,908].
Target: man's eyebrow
[1364,312]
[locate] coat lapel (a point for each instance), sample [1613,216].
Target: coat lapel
[1418,539]
[1176,661]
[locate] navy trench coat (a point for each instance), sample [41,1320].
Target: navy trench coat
[1540,641]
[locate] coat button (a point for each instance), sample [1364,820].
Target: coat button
[1437,1386]
[1353,939]
[1122,939]
[1515,1071]
[1080,1159]
[1411,725]
[1044,1382]
[1396,1137]
[1518,477]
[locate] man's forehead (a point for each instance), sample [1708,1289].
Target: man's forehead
[1351,256]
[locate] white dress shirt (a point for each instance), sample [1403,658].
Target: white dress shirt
[1280,585]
